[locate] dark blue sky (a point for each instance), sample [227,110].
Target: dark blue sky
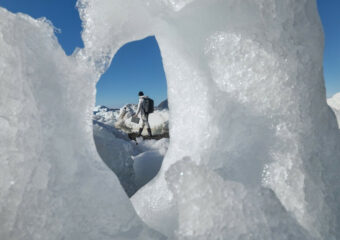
[137,65]
[330,16]
[62,13]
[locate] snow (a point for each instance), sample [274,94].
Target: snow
[254,151]
[121,118]
[134,164]
[116,151]
[163,105]
[158,120]
[334,103]
[149,159]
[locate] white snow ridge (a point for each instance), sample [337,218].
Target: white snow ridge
[134,164]
[334,103]
[254,151]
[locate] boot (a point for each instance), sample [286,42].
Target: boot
[140,132]
[149,131]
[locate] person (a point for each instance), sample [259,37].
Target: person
[144,115]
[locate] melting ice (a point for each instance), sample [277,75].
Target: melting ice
[254,151]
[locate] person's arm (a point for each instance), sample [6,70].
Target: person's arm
[139,108]
[122,114]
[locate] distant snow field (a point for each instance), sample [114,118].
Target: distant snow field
[134,164]
[334,103]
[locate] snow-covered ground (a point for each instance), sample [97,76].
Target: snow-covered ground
[134,164]
[334,103]
[121,118]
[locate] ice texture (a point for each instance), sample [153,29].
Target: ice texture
[53,184]
[121,118]
[246,97]
[134,164]
[148,160]
[334,103]
[163,105]
[228,210]
[248,114]
[115,149]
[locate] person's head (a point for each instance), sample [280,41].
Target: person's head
[140,93]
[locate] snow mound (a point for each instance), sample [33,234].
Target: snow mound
[334,103]
[116,150]
[163,105]
[134,164]
[148,161]
[121,119]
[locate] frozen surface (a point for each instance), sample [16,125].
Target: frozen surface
[116,150]
[334,103]
[121,118]
[148,160]
[246,98]
[53,184]
[163,105]
[247,110]
[228,210]
[134,164]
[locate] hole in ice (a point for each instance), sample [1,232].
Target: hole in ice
[137,66]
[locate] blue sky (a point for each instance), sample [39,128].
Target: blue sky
[62,13]
[137,65]
[330,16]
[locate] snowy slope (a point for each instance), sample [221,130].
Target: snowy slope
[163,105]
[334,103]
[121,118]
[134,165]
[148,160]
[116,150]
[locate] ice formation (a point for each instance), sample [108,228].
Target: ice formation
[53,184]
[134,164]
[334,103]
[159,120]
[148,160]
[116,150]
[254,151]
[121,118]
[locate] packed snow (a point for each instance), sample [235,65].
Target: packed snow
[121,118]
[334,103]
[134,162]
[254,150]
